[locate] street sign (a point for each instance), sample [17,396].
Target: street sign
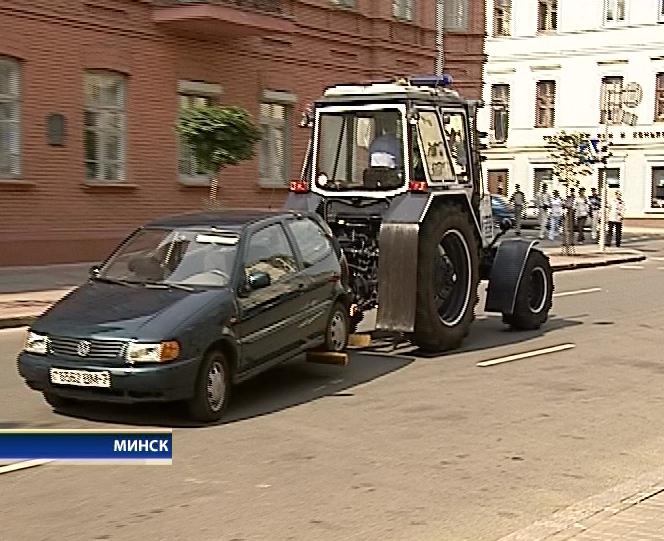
[632,94]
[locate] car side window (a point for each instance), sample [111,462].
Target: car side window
[311,240]
[269,251]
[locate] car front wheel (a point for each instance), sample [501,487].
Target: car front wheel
[212,391]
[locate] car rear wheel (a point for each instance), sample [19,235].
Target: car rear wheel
[213,389]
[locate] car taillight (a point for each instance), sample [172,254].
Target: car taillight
[299,186]
[419,186]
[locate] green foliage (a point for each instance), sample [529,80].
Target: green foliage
[571,157]
[219,136]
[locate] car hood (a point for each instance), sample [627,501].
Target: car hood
[120,311]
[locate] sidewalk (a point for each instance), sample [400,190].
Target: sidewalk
[26,292]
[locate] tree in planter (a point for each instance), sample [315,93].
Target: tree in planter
[572,159]
[219,136]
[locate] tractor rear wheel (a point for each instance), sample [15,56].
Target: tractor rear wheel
[447,278]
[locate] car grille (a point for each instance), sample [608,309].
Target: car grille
[99,350]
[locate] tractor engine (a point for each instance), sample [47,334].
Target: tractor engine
[358,238]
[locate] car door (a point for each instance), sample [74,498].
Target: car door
[321,274]
[266,314]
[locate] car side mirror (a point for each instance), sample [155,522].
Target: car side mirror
[94,271]
[258,280]
[505,225]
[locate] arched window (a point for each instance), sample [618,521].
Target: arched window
[10,123]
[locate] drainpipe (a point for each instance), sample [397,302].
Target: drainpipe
[440,28]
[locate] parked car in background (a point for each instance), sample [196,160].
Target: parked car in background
[501,209]
[189,305]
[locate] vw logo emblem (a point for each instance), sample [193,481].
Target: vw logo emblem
[83,348]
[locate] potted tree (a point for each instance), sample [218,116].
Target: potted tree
[219,136]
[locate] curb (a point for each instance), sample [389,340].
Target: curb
[19,321]
[602,263]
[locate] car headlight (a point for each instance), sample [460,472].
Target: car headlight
[36,343]
[160,352]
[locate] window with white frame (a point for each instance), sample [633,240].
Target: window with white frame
[614,11]
[545,113]
[500,108]
[10,126]
[456,14]
[275,114]
[611,110]
[104,133]
[547,15]
[403,9]
[502,13]
[659,98]
[194,94]
[661,11]
[657,201]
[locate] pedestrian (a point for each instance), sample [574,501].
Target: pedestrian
[543,200]
[616,214]
[581,212]
[555,215]
[595,211]
[518,199]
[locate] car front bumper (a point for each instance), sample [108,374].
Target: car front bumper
[129,384]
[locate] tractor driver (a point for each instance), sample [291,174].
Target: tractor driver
[386,150]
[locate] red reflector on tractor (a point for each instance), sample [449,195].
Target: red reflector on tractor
[299,186]
[418,186]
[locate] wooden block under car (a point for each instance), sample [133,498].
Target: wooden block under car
[327,357]
[359,340]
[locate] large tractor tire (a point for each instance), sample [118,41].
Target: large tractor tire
[535,294]
[447,278]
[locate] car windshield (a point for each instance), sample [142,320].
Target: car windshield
[360,150]
[173,257]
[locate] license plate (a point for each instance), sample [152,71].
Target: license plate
[80,378]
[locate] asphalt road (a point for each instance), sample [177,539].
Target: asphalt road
[394,447]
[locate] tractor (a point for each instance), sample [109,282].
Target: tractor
[394,169]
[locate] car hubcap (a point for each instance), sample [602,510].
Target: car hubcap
[216,386]
[537,291]
[337,332]
[452,278]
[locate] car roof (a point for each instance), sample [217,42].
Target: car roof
[228,219]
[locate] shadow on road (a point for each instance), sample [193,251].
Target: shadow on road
[277,389]
[487,333]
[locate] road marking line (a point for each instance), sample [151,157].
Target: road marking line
[657,258]
[577,292]
[23,465]
[660,268]
[526,355]
[632,267]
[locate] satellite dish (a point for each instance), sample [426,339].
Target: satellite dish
[632,95]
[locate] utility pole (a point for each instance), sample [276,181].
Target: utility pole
[440,32]
[604,159]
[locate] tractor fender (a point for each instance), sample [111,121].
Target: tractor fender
[506,274]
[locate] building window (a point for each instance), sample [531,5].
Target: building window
[500,104]
[104,126]
[10,126]
[275,113]
[543,175]
[502,11]
[456,15]
[657,187]
[661,11]
[614,11]
[611,100]
[547,15]
[403,9]
[546,104]
[498,180]
[659,98]
[612,174]
[194,94]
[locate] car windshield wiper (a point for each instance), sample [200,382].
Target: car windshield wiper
[165,285]
[114,281]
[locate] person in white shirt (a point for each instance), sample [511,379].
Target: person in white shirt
[543,200]
[616,214]
[581,212]
[556,215]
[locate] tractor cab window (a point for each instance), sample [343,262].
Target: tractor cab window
[455,131]
[360,150]
[445,149]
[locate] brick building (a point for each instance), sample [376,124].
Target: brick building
[90,93]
